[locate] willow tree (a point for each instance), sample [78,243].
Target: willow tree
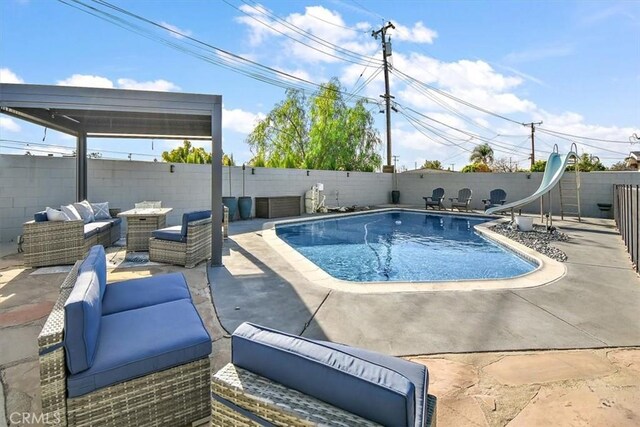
[321,132]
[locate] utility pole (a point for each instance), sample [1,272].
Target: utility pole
[533,146]
[386,51]
[453,167]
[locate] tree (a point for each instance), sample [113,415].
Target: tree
[476,167]
[622,165]
[432,164]
[228,160]
[504,165]
[319,133]
[589,163]
[539,166]
[482,153]
[187,154]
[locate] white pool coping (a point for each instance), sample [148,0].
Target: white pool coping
[548,270]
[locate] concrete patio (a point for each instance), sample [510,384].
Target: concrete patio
[479,346]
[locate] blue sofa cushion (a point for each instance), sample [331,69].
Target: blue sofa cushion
[415,372]
[91,229]
[40,216]
[82,318]
[138,342]
[96,261]
[143,292]
[365,388]
[170,233]
[102,225]
[193,216]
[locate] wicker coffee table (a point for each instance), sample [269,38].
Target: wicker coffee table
[140,224]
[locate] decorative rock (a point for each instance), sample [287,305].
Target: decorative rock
[538,239]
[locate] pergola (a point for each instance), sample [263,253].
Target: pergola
[118,113]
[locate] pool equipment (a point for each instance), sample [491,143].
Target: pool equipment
[313,200]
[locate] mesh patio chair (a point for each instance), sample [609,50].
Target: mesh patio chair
[497,197]
[435,200]
[462,201]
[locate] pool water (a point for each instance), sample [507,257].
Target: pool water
[402,247]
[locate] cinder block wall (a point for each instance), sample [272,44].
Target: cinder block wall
[30,183]
[596,187]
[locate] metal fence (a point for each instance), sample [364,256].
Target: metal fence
[626,212]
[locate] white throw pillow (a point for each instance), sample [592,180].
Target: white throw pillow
[85,211]
[56,215]
[101,210]
[71,212]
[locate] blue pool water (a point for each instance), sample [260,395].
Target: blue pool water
[402,247]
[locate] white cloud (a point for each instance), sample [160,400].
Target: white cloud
[418,34]
[85,80]
[8,76]
[9,124]
[176,32]
[159,85]
[239,120]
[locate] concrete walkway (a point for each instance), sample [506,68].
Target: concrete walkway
[595,305]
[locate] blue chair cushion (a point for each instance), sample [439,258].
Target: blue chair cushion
[135,343]
[415,372]
[143,292]
[193,216]
[96,261]
[170,233]
[82,319]
[91,229]
[40,216]
[342,379]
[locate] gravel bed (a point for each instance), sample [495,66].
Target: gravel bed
[538,239]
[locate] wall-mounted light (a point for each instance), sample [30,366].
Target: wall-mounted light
[347,174]
[421,175]
[253,171]
[528,176]
[172,168]
[307,173]
[243,166]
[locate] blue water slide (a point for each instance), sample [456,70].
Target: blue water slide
[556,165]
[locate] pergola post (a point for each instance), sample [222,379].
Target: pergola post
[81,166]
[216,185]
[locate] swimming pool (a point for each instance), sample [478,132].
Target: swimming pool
[403,246]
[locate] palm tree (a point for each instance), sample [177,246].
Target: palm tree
[482,154]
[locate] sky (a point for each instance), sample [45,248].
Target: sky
[462,72]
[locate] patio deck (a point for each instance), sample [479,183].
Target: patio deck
[594,306]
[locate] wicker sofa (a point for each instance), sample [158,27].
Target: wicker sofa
[287,380]
[65,242]
[129,353]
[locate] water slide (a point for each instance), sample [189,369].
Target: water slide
[553,172]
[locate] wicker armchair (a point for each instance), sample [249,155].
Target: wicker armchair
[174,396]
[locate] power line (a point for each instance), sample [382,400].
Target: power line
[302,32]
[555,132]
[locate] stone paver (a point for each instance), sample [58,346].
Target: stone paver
[465,411]
[547,367]
[584,405]
[25,314]
[448,377]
